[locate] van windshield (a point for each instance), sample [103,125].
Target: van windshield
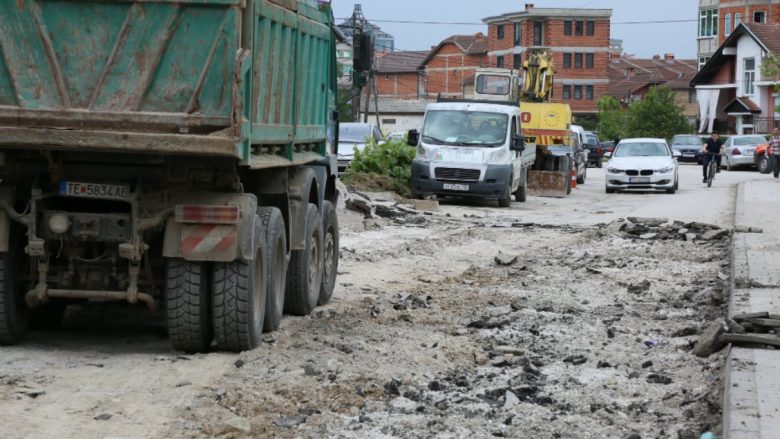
[462,128]
[493,85]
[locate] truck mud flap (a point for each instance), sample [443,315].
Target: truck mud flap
[548,184]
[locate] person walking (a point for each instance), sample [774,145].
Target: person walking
[711,150]
[774,149]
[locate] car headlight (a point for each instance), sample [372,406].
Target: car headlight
[665,170]
[615,171]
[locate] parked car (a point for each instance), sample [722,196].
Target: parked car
[642,164]
[741,150]
[580,153]
[396,136]
[354,136]
[608,146]
[689,146]
[594,148]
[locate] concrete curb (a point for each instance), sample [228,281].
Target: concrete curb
[751,396]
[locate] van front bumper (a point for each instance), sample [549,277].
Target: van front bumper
[457,180]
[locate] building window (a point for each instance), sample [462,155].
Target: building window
[708,23]
[500,31]
[589,92]
[567,92]
[727,24]
[577,60]
[538,33]
[388,121]
[517,34]
[759,17]
[517,61]
[589,60]
[567,60]
[750,76]
[703,61]
[737,20]
[500,62]
[578,28]
[578,92]
[590,28]
[567,27]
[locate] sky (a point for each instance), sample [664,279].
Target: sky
[643,40]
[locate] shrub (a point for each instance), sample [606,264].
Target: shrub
[382,167]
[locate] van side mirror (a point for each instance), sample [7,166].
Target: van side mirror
[413,138]
[518,143]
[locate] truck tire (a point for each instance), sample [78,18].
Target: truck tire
[187,305]
[276,263]
[239,296]
[521,194]
[330,252]
[13,310]
[304,276]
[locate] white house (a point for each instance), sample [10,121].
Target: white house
[733,95]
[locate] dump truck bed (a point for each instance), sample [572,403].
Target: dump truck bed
[250,79]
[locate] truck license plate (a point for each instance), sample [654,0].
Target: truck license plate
[639,180]
[94,190]
[456,187]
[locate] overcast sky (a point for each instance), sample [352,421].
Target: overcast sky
[643,40]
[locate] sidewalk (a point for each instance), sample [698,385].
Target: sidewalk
[751,408]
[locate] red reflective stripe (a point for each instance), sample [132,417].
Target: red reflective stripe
[227,242]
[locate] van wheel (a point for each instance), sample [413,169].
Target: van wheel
[304,276]
[276,264]
[14,314]
[239,298]
[330,251]
[521,195]
[188,306]
[581,180]
[506,200]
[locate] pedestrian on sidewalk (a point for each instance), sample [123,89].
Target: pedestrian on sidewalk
[712,146]
[774,149]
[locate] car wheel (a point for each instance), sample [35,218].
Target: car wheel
[610,190]
[581,180]
[600,163]
[763,165]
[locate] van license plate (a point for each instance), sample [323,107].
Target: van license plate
[456,187]
[639,180]
[94,190]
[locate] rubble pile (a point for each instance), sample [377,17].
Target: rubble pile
[662,228]
[403,212]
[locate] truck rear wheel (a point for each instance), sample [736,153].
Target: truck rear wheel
[304,276]
[239,298]
[330,249]
[276,263]
[188,305]
[13,310]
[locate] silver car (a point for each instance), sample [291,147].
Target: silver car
[740,150]
[353,136]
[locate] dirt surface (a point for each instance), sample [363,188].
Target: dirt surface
[466,322]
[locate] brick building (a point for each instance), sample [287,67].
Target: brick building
[631,78]
[579,40]
[398,74]
[451,62]
[719,18]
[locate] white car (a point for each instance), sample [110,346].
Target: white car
[353,136]
[740,150]
[648,164]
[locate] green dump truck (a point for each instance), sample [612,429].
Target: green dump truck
[175,154]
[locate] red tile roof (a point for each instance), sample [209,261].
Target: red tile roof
[769,34]
[627,75]
[400,62]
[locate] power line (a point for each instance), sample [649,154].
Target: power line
[454,23]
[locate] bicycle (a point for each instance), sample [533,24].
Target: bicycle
[712,168]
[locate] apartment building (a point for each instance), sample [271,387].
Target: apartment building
[579,40]
[719,18]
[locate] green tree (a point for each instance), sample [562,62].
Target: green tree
[657,115]
[770,68]
[612,119]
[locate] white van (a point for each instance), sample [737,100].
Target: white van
[471,149]
[580,153]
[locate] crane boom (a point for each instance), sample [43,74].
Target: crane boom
[539,73]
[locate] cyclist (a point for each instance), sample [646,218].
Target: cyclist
[711,150]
